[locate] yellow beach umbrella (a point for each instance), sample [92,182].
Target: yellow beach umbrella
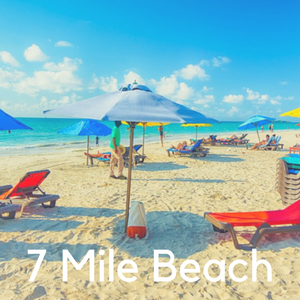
[292,113]
[147,124]
[197,125]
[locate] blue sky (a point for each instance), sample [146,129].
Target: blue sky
[227,59]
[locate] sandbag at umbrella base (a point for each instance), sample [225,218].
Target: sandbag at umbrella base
[137,224]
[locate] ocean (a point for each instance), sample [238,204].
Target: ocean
[44,137]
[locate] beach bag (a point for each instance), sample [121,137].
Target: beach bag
[137,224]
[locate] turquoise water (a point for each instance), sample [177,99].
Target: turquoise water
[44,136]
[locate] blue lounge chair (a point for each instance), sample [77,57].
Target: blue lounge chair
[138,158]
[272,144]
[194,150]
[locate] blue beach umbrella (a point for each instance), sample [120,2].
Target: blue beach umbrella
[86,128]
[134,105]
[256,121]
[7,122]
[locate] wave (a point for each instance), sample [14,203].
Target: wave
[47,145]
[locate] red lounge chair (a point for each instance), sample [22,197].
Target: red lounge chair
[23,192]
[9,208]
[289,218]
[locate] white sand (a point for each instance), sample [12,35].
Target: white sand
[176,191]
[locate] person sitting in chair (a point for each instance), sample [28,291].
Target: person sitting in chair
[261,142]
[180,146]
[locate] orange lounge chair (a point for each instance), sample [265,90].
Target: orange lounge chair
[288,218]
[9,208]
[23,192]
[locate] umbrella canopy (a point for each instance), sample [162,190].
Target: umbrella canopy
[86,128]
[255,122]
[196,125]
[7,122]
[134,106]
[298,124]
[292,113]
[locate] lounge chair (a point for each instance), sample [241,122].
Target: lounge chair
[240,140]
[285,220]
[288,179]
[194,150]
[193,147]
[105,156]
[138,158]
[272,144]
[9,208]
[23,192]
[270,141]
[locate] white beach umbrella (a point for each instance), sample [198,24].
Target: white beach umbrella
[133,106]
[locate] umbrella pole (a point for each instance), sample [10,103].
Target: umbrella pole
[144,128]
[132,126]
[87,150]
[196,133]
[257,133]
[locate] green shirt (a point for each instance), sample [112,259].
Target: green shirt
[117,135]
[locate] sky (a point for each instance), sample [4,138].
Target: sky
[227,59]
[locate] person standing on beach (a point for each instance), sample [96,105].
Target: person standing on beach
[161,133]
[262,128]
[97,141]
[116,155]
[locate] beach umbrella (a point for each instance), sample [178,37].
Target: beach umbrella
[7,122]
[147,124]
[135,106]
[292,113]
[86,128]
[254,122]
[196,125]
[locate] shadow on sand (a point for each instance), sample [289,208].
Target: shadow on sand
[182,233]
[222,158]
[160,166]
[184,180]
[19,250]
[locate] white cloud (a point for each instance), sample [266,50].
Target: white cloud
[171,88]
[252,95]
[7,58]
[34,53]
[192,71]
[184,92]
[264,97]
[68,64]
[63,44]
[167,86]
[233,98]
[274,102]
[205,100]
[220,60]
[131,76]
[45,103]
[206,89]
[232,111]
[204,62]
[58,78]
[7,77]
[106,84]
[289,98]
[283,82]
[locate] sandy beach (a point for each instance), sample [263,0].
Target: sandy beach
[176,191]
